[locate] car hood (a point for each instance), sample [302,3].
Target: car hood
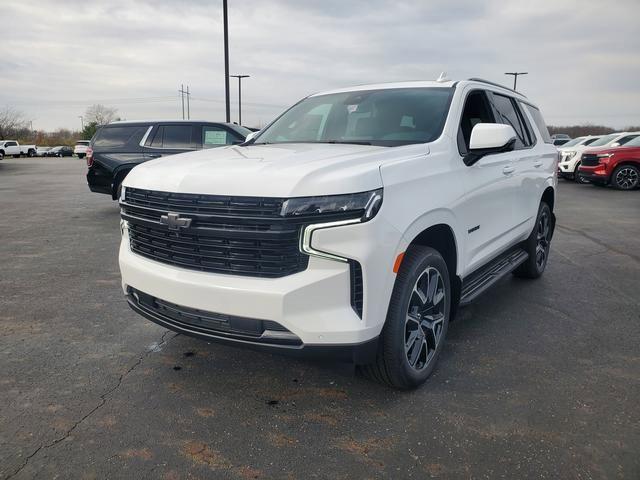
[283,170]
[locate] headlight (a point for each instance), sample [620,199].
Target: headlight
[604,155]
[122,194]
[364,205]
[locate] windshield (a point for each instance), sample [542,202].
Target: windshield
[573,142]
[389,117]
[604,140]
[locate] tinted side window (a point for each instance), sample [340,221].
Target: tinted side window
[539,121]
[527,125]
[505,109]
[476,110]
[116,136]
[176,136]
[626,139]
[157,138]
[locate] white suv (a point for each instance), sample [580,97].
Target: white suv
[353,226]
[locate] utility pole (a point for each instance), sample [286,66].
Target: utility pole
[226,60]
[81,121]
[240,77]
[515,77]
[188,109]
[182,92]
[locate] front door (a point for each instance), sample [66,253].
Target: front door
[487,207]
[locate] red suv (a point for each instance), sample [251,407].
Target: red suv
[619,166]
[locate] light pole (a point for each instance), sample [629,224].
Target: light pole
[226,59]
[515,77]
[240,77]
[81,121]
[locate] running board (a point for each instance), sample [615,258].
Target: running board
[484,278]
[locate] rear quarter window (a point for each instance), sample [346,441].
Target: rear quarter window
[114,137]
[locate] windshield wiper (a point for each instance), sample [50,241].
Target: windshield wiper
[352,142]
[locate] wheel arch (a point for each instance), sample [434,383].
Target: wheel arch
[627,161]
[441,237]
[118,177]
[549,197]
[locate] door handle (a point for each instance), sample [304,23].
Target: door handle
[155,155]
[537,163]
[508,170]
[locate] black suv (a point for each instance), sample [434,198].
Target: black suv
[118,147]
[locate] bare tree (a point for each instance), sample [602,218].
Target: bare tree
[10,122]
[100,114]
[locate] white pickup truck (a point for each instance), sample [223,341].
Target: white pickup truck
[12,147]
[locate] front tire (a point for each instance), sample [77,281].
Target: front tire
[538,245]
[626,177]
[417,321]
[576,176]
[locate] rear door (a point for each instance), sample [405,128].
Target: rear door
[526,160]
[170,139]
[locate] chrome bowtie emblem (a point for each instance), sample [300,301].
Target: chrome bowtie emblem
[174,222]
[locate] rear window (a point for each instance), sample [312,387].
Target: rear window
[539,121]
[83,142]
[117,136]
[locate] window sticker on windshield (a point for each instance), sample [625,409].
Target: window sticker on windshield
[352,108]
[215,137]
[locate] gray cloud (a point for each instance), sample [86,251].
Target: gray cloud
[582,57]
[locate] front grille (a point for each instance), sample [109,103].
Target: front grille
[589,160]
[356,287]
[211,323]
[228,235]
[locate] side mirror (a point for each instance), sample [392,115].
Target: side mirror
[489,138]
[251,136]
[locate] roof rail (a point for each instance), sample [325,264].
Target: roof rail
[482,80]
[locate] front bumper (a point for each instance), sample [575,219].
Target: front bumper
[567,168]
[360,353]
[313,305]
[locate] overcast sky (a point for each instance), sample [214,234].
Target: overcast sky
[57,57]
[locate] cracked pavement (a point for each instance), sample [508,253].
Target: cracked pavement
[537,380]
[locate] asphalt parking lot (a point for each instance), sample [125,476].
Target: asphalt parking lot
[539,379]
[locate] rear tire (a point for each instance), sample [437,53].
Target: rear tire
[537,245]
[626,177]
[417,321]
